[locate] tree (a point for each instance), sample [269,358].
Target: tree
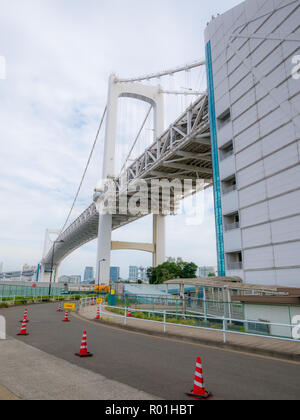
[171,270]
[189,270]
[211,275]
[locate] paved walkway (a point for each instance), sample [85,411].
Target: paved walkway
[270,347]
[31,374]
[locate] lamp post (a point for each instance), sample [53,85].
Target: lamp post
[52,263]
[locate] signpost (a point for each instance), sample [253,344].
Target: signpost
[70,306]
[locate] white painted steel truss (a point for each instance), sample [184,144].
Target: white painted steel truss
[182,152]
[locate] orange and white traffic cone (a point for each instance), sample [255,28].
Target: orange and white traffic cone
[83,348]
[23,331]
[93,302]
[66,317]
[199,392]
[25,317]
[59,308]
[98,313]
[129,312]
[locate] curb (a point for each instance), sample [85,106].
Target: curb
[236,347]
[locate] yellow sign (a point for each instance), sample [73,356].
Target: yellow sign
[113,292]
[70,306]
[99,300]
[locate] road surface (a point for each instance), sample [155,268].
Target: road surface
[158,366]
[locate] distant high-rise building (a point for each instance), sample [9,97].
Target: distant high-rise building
[133,273]
[88,274]
[204,272]
[70,279]
[1,267]
[143,275]
[114,274]
[179,260]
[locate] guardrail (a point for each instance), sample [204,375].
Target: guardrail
[200,306]
[223,325]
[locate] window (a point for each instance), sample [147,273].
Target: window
[224,118]
[254,327]
[226,151]
[232,221]
[234,261]
[229,185]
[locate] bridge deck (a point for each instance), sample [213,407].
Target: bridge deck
[182,152]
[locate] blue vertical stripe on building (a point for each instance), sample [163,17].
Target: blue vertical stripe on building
[215,159]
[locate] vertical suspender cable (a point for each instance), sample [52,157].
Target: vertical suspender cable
[85,171]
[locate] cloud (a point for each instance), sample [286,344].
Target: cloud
[59,55]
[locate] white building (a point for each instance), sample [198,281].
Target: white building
[70,279]
[206,271]
[133,273]
[254,95]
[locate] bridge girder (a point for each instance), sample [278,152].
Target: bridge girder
[188,137]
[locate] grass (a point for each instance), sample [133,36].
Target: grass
[159,318]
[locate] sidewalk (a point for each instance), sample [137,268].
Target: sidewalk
[282,349]
[31,374]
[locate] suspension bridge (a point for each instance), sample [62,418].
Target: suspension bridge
[180,152]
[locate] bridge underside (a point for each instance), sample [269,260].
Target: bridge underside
[182,152]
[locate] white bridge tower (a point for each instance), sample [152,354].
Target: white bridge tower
[154,96]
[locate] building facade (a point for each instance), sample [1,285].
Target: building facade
[206,271]
[133,273]
[253,56]
[88,274]
[115,274]
[76,280]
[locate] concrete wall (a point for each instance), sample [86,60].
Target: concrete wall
[253,79]
[276,314]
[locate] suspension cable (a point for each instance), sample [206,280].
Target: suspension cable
[85,171]
[163,73]
[137,137]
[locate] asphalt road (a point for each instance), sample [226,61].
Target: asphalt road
[161,367]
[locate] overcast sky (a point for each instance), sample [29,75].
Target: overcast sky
[59,55]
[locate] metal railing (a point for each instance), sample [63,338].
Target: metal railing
[235,266]
[224,325]
[24,300]
[231,226]
[10,290]
[199,306]
[229,189]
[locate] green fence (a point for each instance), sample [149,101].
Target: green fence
[198,306]
[9,291]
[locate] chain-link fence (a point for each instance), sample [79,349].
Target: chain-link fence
[10,291]
[187,305]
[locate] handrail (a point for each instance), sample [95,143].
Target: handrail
[224,320]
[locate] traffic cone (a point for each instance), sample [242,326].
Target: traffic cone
[93,302]
[83,348]
[129,312]
[98,313]
[59,308]
[66,317]
[199,392]
[25,317]
[23,331]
